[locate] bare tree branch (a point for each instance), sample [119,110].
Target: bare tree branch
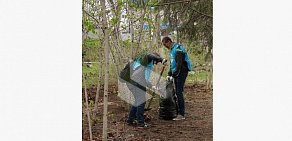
[202,13]
[91,16]
[175,2]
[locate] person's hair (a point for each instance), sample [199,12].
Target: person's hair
[166,39]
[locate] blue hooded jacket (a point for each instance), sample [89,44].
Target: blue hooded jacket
[147,71]
[146,60]
[173,64]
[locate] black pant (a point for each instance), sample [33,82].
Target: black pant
[179,86]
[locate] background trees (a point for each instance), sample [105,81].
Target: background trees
[136,25]
[115,31]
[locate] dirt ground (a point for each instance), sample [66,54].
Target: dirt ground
[198,125]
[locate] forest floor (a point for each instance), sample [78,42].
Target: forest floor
[198,125]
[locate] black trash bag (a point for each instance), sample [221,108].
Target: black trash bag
[168,107]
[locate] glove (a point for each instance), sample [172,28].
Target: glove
[192,72]
[169,78]
[155,88]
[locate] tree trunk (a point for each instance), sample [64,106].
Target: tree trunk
[98,85]
[116,36]
[106,53]
[158,20]
[130,12]
[140,30]
[87,109]
[150,45]
[115,61]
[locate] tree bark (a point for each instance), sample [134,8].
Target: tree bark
[106,53]
[116,31]
[130,12]
[140,30]
[115,61]
[87,109]
[98,85]
[158,20]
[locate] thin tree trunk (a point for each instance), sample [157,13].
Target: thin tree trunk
[158,28]
[210,67]
[157,33]
[98,85]
[116,32]
[207,74]
[106,52]
[130,12]
[208,60]
[87,109]
[112,53]
[140,30]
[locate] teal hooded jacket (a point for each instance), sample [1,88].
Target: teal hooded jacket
[176,50]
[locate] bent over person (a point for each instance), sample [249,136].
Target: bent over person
[137,81]
[180,65]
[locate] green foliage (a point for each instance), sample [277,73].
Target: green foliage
[90,72]
[92,43]
[197,77]
[192,20]
[147,20]
[138,4]
[91,103]
[114,21]
[120,2]
[126,44]
[153,3]
[132,5]
[88,26]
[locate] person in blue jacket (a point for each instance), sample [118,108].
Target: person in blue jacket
[180,65]
[139,80]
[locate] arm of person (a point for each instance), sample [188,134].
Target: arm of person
[154,58]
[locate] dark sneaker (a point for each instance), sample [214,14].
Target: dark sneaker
[145,125]
[179,117]
[132,123]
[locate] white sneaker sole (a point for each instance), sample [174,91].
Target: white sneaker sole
[179,119]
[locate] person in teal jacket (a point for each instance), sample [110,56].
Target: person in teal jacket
[180,65]
[139,79]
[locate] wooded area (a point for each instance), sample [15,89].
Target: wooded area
[115,31]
